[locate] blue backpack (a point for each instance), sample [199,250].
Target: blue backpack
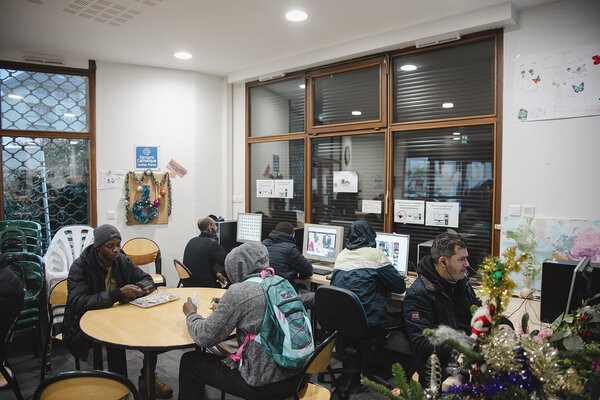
[286,333]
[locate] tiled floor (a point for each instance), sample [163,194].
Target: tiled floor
[27,369]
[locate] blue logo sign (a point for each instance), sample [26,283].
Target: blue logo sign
[146,157]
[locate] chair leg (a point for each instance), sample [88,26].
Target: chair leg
[45,357]
[222,395]
[77,367]
[12,381]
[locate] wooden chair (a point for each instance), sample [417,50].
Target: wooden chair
[89,385]
[143,251]
[182,271]
[58,297]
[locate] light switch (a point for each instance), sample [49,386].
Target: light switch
[529,211]
[110,214]
[514,210]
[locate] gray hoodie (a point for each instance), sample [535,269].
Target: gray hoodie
[242,307]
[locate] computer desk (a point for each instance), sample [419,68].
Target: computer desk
[315,280]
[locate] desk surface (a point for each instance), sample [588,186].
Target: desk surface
[322,280]
[154,328]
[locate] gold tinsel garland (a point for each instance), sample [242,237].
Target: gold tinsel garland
[499,349]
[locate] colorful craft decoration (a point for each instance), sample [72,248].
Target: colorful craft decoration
[146,208]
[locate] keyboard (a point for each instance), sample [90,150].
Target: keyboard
[322,270]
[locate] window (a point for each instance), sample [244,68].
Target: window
[46,146]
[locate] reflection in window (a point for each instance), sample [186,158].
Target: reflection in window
[447,178]
[415,184]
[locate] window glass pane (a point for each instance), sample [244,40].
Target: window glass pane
[278,162]
[346,97]
[47,181]
[459,75]
[277,108]
[345,171]
[44,101]
[447,165]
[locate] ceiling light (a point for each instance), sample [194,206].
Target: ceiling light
[296,15]
[356,113]
[73,142]
[408,67]
[68,114]
[183,55]
[447,105]
[15,96]
[302,86]
[456,133]
[456,138]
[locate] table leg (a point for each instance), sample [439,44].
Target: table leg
[149,370]
[97,351]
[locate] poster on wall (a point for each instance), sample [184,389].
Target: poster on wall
[409,211]
[265,187]
[148,198]
[371,206]
[441,214]
[283,188]
[558,84]
[345,182]
[146,157]
[176,169]
[110,179]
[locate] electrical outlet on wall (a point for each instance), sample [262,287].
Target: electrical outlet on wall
[514,210]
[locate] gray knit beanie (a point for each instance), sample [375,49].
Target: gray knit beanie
[104,233]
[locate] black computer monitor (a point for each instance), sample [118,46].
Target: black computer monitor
[559,280]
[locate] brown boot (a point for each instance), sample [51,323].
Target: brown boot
[163,391]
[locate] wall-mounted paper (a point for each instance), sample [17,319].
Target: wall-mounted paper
[176,169]
[409,211]
[264,188]
[110,179]
[284,188]
[371,206]
[345,182]
[441,214]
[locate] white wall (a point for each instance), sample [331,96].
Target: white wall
[185,114]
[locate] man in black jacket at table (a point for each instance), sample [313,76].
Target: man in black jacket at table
[205,257]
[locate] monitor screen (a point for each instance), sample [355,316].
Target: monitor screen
[322,242]
[395,246]
[249,227]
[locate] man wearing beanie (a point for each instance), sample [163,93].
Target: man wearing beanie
[101,276]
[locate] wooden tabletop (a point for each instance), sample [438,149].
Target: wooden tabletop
[322,280]
[153,328]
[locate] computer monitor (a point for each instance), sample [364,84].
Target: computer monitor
[565,284]
[396,247]
[249,227]
[322,242]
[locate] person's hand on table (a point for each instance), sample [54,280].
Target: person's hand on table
[189,307]
[130,292]
[222,279]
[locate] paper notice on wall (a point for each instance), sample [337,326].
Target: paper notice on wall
[371,206]
[265,187]
[284,188]
[345,182]
[176,169]
[110,179]
[441,214]
[409,211]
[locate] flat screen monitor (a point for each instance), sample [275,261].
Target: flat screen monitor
[395,246]
[557,280]
[322,243]
[249,227]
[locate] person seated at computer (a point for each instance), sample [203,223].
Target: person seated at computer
[204,257]
[367,271]
[287,261]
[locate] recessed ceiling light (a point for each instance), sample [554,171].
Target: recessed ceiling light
[408,67]
[455,138]
[302,86]
[15,96]
[183,55]
[356,113]
[456,133]
[73,142]
[447,105]
[296,15]
[68,115]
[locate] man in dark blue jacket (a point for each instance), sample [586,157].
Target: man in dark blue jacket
[441,295]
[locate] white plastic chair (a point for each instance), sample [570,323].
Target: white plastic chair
[66,245]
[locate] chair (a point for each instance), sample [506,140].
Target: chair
[89,385]
[143,251]
[21,236]
[6,330]
[182,271]
[58,297]
[66,245]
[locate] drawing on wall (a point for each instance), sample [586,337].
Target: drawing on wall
[560,84]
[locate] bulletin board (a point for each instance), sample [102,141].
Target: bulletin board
[148,198]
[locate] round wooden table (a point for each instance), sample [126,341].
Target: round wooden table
[150,330]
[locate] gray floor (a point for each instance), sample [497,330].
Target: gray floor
[27,369]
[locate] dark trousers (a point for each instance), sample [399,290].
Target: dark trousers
[198,369]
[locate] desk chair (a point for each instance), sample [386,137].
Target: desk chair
[143,251]
[182,271]
[89,385]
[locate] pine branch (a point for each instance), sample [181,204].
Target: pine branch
[400,378]
[472,354]
[379,388]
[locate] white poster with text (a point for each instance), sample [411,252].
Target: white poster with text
[264,187]
[409,211]
[441,214]
[284,188]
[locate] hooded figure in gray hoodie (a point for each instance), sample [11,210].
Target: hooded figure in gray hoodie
[242,307]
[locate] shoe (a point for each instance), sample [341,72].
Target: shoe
[163,391]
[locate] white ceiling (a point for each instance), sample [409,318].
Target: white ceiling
[224,36]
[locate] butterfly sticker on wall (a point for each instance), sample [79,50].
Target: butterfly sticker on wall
[578,89]
[578,70]
[596,59]
[536,80]
[522,115]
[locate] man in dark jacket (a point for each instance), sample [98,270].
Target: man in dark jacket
[101,276]
[441,295]
[205,257]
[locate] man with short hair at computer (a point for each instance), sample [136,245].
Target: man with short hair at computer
[367,272]
[287,261]
[205,257]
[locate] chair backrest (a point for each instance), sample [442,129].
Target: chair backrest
[58,294]
[340,310]
[322,356]
[89,385]
[30,268]
[143,251]
[182,271]
[26,235]
[67,244]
